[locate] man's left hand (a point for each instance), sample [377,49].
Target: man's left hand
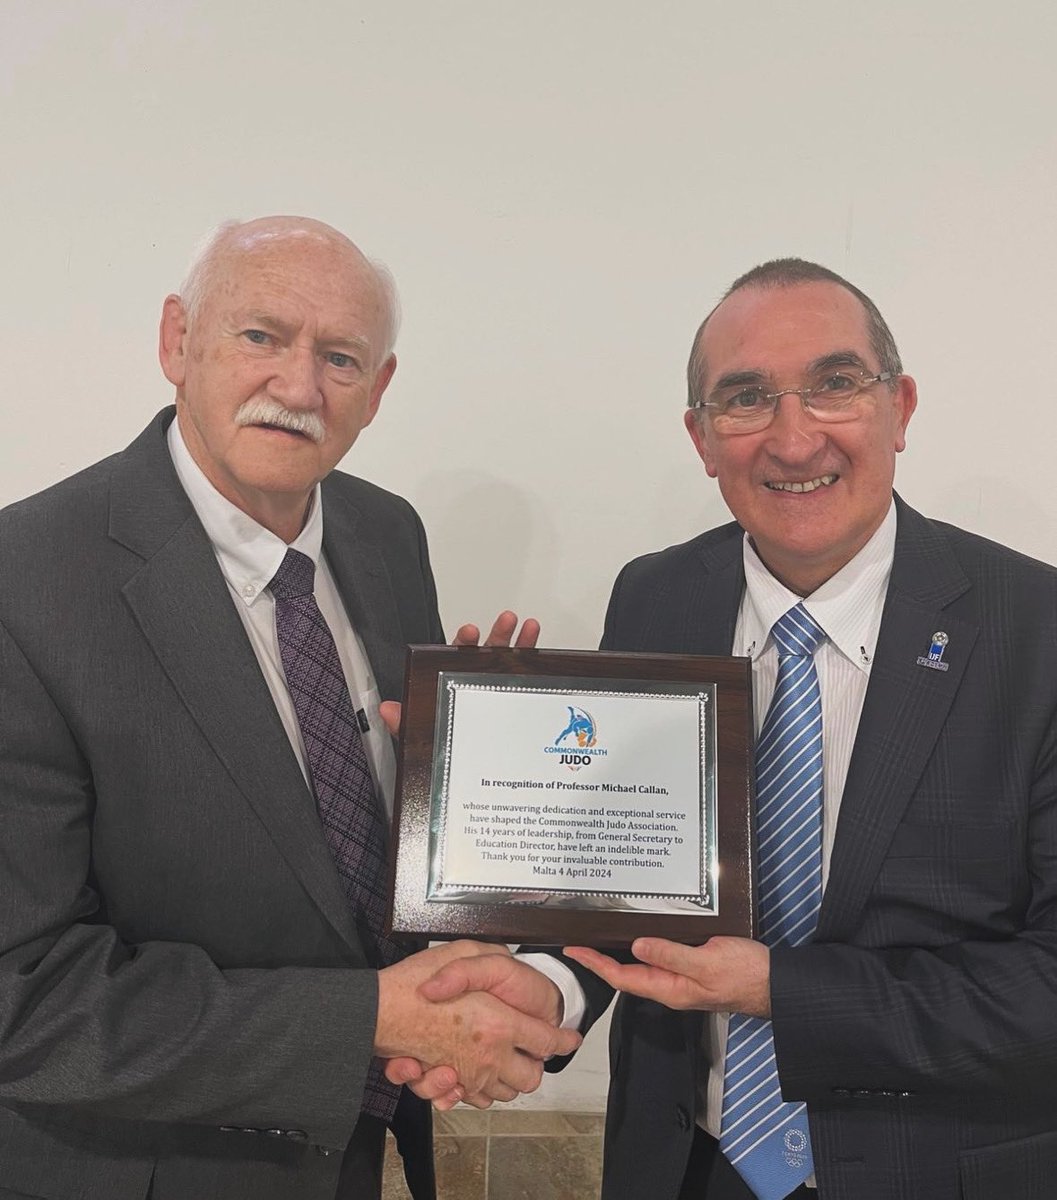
[726,974]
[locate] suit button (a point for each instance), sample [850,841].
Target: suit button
[295,1135]
[682,1117]
[842,1093]
[862,1093]
[324,1151]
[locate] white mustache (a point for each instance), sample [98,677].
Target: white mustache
[263,411]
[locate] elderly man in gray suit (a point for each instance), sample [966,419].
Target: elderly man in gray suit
[893,1033]
[196,635]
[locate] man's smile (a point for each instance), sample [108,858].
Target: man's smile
[801,485]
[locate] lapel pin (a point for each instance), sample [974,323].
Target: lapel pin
[934,660]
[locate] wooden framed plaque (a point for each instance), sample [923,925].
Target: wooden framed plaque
[565,797]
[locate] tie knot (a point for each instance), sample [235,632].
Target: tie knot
[796,635]
[295,577]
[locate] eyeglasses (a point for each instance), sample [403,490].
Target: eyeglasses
[747,408]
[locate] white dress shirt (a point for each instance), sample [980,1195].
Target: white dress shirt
[248,556]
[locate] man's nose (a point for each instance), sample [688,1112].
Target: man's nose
[297,381]
[794,433]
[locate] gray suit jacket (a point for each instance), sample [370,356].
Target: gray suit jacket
[921,1025]
[180,1000]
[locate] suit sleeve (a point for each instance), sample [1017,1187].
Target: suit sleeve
[153,1031]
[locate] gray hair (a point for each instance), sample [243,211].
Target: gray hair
[201,274]
[788,272]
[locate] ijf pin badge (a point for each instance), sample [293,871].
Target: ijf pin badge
[934,659]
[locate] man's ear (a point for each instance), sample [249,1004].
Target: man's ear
[172,341]
[695,422]
[906,401]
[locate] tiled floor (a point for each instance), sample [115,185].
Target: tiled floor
[510,1155]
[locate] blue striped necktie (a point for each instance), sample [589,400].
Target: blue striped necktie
[765,1138]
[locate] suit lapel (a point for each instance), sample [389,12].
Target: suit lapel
[363,581]
[182,605]
[716,597]
[903,714]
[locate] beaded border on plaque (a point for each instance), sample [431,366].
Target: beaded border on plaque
[705,902]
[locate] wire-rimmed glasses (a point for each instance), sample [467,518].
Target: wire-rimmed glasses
[746,407]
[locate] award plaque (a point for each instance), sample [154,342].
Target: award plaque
[566,797]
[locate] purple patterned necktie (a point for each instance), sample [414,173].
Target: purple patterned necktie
[340,777]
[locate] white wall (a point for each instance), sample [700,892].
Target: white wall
[563,190]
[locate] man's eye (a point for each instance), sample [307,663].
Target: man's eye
[343,361]
[837,384]
[744,398]
[257,336]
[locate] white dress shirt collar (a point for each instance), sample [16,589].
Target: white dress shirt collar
[848,606]
[248,554]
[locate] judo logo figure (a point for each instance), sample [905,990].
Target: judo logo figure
[582,727]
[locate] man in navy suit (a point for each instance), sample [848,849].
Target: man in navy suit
[917,1027]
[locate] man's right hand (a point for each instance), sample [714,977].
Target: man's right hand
[473,1010]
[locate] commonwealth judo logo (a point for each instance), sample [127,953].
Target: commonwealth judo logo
[582,747]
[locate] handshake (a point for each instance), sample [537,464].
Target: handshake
[468,1021]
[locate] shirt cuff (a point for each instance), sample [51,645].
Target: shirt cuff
[573,999]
